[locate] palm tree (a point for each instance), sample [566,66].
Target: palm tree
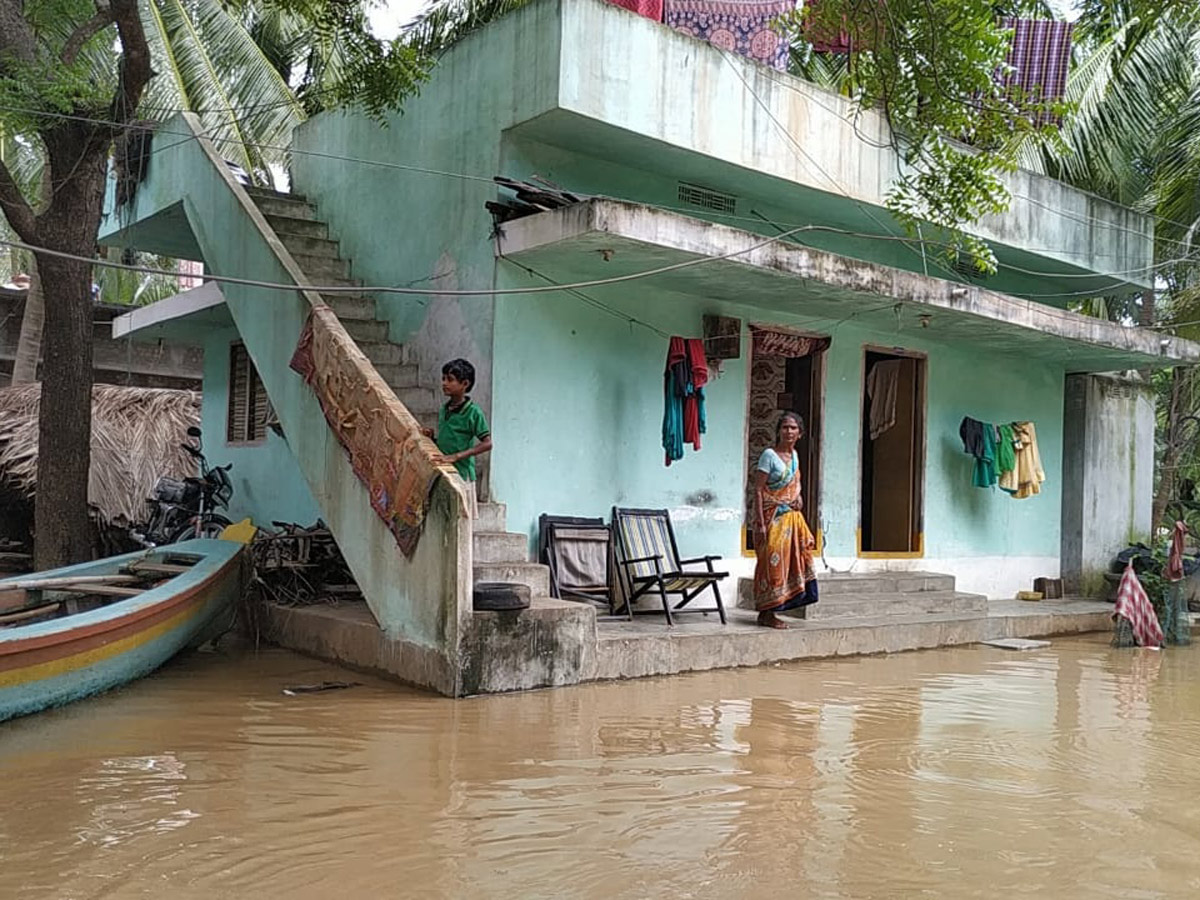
[1135,138]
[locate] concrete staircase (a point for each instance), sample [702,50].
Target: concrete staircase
[295,223]
[498,555]
[882,594]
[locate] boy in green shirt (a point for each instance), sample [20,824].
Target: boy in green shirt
[460,424]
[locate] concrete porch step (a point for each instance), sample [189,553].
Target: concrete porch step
[535,577]
[884,583]
[914,603]
[303,245]
[309,228]
[500,547]
[492,517]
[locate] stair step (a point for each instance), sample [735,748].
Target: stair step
[256,191]
[366,329]
[322,269]
[284,205]
[351,306]
[500,547]
[885,583]
[302,245]
[309,228]
[418,400]
[536,577]
[913,603]
[385,353]
[492,517]
[399,376]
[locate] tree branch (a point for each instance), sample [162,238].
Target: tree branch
[16,208]
[134,71]
[85,32]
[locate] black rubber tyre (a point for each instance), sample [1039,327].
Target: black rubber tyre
[492,596]
[211,528]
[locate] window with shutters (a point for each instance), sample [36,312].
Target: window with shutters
[249,409]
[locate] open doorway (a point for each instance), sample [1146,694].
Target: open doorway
[893,453]
[787,374]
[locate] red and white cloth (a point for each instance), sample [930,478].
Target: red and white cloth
[1037,61]
[1135,606]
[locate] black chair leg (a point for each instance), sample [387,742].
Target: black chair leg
[662,592]
[720,606]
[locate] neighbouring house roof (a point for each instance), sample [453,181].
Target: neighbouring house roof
[136,433]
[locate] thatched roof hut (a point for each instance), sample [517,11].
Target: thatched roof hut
[136,433]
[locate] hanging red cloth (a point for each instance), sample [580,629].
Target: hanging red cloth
[684,378]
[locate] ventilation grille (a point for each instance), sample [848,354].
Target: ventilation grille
[706,198]
[964,265]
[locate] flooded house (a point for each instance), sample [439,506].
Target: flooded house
[573,187]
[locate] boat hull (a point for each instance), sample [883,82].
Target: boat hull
[56,662]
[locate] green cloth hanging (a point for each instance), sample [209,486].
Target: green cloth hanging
[985,464]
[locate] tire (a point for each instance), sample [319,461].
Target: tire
[491,596]
[211,528]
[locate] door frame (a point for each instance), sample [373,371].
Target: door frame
[816,435]
[920,454]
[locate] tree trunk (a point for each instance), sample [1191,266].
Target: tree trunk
[61,521]
[29,344]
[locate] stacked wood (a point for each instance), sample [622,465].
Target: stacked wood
[298,566]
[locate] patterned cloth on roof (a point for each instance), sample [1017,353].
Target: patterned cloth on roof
[742,26]
[1037,61]
[651,9]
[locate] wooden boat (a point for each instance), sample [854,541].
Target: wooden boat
[73,632]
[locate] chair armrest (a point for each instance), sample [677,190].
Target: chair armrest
[707,560]
[657,560]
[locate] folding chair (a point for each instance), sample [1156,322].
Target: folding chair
[649,557]
[577,555]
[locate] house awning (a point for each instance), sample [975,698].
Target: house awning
[601,239]
[183,318]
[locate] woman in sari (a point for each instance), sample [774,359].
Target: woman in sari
[784,577]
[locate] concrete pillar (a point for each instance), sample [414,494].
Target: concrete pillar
[1108,474]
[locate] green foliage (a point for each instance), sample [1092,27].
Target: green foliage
[929,67]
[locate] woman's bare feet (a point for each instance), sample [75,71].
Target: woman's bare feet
[770,620]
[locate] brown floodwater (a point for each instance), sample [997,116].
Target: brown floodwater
[970,772]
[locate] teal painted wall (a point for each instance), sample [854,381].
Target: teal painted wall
[267,482]
[578,415]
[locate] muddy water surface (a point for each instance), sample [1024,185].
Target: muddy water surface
[1069,772]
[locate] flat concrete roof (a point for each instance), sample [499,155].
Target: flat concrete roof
[202,307]
[600,239]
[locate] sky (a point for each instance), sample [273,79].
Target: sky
[388,16]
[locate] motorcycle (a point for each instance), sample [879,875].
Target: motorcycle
[187,509]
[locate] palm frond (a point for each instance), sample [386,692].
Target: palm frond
[444,23]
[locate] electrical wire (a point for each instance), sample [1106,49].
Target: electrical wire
[907,241]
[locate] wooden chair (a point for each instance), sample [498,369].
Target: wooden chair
[576,550]
[649,559]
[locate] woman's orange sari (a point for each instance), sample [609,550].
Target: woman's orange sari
[784,576]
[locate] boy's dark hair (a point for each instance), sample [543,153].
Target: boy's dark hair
[461,370]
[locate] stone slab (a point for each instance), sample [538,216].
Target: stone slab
[1016,644]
